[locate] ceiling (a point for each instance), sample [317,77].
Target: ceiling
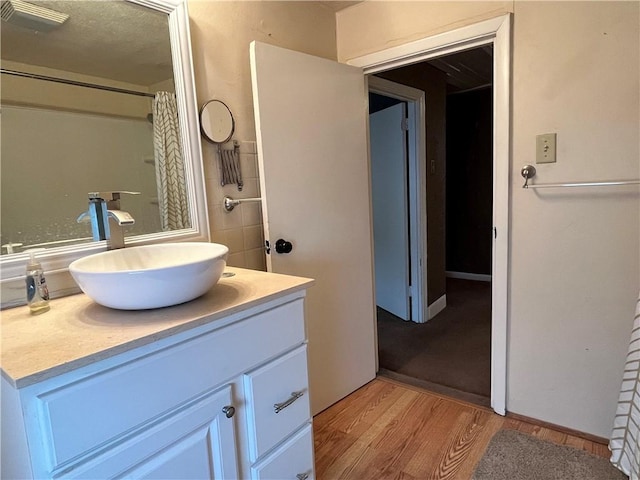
[108,39]
[468,69]
[130,43]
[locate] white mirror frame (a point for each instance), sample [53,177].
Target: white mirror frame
[55,261]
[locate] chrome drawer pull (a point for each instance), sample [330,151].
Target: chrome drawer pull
[229,411]
[302,476]
[277,407]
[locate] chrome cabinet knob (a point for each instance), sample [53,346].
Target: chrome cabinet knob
[302,476]
[229,411]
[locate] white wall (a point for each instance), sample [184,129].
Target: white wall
[575,254]
[221,33]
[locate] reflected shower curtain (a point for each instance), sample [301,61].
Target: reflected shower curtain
[172,195]
[625,438]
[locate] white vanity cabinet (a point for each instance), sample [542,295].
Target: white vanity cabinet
[225,399]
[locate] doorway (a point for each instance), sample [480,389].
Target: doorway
[496,32]
[451,354]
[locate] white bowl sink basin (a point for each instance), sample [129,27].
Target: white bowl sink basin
[150,276]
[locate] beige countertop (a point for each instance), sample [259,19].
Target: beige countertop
[77,331]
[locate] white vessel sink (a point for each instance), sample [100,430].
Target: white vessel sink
[150,276]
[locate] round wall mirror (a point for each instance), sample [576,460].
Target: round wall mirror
[216,121]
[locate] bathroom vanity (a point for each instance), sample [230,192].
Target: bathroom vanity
[213,388]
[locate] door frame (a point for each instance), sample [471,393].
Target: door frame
[496,31]
[416,111]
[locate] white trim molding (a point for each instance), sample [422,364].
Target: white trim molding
[436,307]
[444,43]
[478,277]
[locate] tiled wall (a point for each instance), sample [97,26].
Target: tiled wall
[241,229]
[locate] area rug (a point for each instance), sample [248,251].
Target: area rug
[512,455]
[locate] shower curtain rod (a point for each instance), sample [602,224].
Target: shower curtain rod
[75,83]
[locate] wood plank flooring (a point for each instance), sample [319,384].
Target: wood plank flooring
[387,430]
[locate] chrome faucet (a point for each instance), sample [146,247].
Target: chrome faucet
[106,217]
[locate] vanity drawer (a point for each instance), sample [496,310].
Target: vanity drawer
[277,400]
[294,460]
[83,415]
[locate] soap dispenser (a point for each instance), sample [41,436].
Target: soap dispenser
[37,291]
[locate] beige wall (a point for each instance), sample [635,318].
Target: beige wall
[575,254]
[221,33]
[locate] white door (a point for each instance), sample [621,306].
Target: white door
[311,127]
[390,209]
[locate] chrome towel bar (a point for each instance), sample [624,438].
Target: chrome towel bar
[230,203]
[529,171]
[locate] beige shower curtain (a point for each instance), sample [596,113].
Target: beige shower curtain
[170,177]
[625,438]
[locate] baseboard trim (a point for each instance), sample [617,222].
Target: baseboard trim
[437,306]
[479,277]
[559,428]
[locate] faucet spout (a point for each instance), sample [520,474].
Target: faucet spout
[106,218]
[117,219]
[121,217]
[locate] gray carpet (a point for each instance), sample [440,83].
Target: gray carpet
[453,349]
[512,455]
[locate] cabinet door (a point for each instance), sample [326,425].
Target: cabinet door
[195,441]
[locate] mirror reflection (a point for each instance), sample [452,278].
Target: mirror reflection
[88,105]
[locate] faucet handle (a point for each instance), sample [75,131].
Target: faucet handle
[109,196]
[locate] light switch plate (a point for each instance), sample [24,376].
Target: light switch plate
[546,148]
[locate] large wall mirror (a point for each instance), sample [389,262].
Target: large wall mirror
[90,96]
